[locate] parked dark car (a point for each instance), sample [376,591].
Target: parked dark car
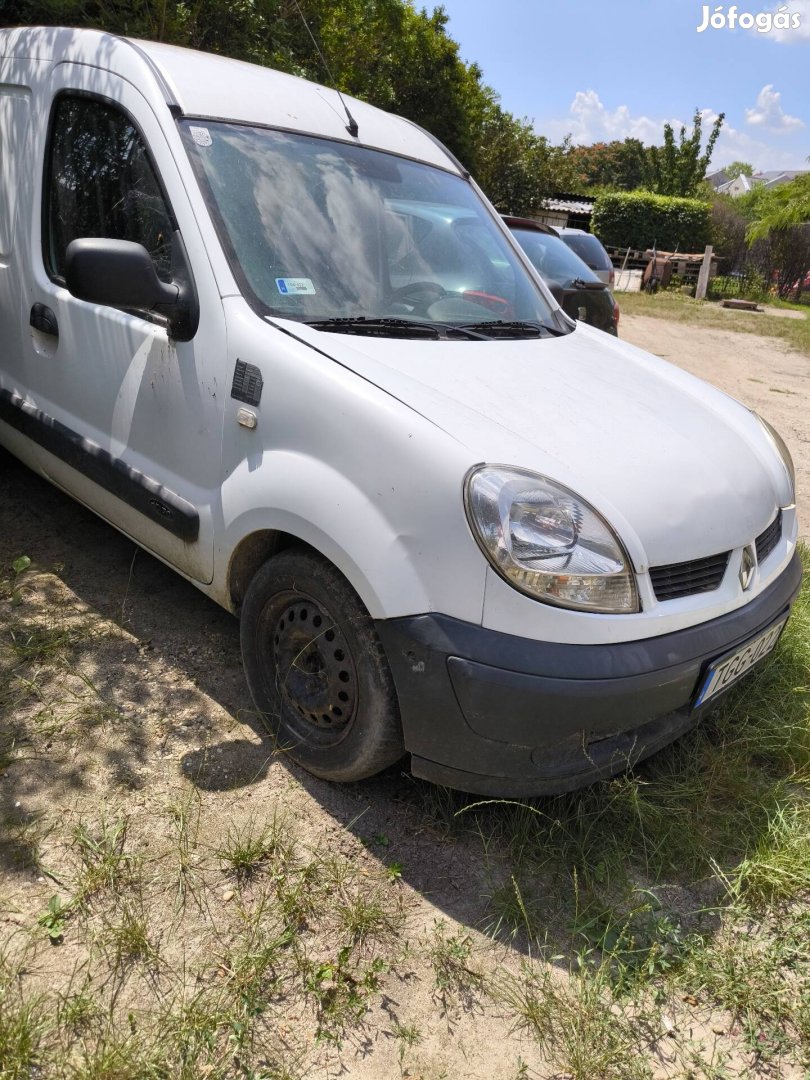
[576,288]
[590,250]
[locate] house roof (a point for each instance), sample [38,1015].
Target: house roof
[779,174]
[717,178]
[574,204]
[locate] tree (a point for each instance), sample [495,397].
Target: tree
[779,232]
[728,228]
[516,167]
[738,168]
[678,168]
[618,164]
[781,207]
[384,51]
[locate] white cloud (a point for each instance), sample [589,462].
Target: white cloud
[736,145]
[768,112]
[794,35]
[588,120]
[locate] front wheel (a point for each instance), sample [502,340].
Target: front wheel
[316,669]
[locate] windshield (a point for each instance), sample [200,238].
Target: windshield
[317,230]
[553,259]
[590,249]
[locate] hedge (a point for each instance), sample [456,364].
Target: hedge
[641,219]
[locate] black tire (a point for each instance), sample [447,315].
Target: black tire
[316,669]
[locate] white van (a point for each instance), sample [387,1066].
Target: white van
[284,344]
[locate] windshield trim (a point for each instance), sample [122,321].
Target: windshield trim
[195,118]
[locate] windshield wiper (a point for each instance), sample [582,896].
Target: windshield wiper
[389,327]
[580,284]
[513,329]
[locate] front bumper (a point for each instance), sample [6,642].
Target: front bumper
[502,715]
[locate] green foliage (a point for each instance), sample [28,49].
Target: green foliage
[53,919]
[616,164]
[402,59]
[19,566]
[24,1025]
[777,224]
[783,256]
[766,233]
[678,168]
[781,208]
[516,168]
[728,226]
[738,168]
[641,219]
[384,51]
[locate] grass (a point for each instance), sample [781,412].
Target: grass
[455,977]
[760,971]
[24,1023]
[676,307]
[249,846]
[103,860]
[408,1036]
[629,920]
[577,1025]
[128,938]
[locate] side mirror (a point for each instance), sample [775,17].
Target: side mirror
[119,273]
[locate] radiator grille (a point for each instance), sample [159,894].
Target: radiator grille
[688,578]
[767,540]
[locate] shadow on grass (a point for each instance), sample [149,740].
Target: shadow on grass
[631,865]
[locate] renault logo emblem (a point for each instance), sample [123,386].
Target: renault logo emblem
[747,566]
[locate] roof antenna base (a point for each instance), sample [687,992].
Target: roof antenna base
[351,127]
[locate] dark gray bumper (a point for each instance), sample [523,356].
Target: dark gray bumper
[502,715]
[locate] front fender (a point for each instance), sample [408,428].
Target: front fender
[307,498]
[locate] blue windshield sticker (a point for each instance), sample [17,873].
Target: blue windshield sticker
[295,286]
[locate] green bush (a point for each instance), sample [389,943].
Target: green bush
[640,219]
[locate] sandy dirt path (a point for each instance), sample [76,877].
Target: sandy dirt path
[763,373]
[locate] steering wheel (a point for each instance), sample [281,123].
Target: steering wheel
[419,293]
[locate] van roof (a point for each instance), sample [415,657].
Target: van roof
[206,85]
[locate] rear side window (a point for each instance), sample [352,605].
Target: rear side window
[589,250]
[101,183]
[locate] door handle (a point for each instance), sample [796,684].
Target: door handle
[44,320]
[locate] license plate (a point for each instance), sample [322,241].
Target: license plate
[725,671]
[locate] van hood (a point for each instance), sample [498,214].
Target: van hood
[680,469]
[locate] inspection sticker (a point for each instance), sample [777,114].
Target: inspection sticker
[200,135]
[298,286]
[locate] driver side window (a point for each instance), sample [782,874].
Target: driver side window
[102,184]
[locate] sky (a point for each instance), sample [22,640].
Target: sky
[607,69]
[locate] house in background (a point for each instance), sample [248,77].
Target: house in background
[717,178]
[567,211]
[742,184]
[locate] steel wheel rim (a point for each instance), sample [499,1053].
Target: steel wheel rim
[313,667]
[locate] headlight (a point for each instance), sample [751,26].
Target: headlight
[782,450]
[547,541]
